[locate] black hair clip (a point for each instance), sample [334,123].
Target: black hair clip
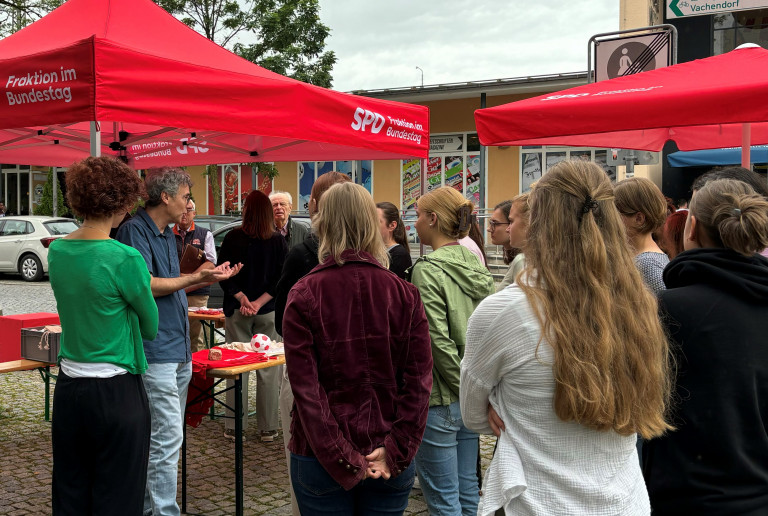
[589,205]
[465,213]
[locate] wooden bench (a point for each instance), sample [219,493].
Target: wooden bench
[27,365]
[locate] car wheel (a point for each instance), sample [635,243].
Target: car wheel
[30,268]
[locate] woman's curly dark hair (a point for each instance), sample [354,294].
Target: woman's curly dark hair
[102,187]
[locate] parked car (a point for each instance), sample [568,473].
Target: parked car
[216,297]
[24,242]
[214,222]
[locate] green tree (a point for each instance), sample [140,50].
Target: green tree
[290,38]
[45,206]
[17,14]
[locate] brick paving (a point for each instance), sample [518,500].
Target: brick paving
[25,444]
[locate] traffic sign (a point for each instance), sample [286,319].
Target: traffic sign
[681,8]
[631,54]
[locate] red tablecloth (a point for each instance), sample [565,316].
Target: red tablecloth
[199,402]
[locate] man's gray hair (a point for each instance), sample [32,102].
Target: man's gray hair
[164,179]
[278,192]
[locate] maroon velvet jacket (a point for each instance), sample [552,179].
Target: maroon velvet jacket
[360,364]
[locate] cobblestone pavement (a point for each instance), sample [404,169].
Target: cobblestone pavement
[25,444]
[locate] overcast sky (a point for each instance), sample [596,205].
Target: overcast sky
[379,43]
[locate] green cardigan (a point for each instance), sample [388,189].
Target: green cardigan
[104,301]
[452,282]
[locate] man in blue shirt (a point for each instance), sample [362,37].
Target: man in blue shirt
[168,355]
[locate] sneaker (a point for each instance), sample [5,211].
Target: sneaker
[268,436]
[230,434]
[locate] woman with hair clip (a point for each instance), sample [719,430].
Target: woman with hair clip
[357,349]
[643,210]
[715,310]
[393,232]
[452,282]
[570,363]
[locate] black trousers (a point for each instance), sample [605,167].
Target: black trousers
[100,435]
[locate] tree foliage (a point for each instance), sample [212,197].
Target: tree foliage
[45,206]
[291,41]
[284,36]
[17,14]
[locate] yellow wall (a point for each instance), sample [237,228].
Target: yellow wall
[639,13]
[199,188]
[503,174]
[288,179]
[386,181]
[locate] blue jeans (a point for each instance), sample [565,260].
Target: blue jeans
[447,463]
[318,493]
[166,386]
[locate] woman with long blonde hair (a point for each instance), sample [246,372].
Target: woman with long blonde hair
[359,363]
[573,359]
[452,282]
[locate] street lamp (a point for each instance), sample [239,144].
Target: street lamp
[422,76]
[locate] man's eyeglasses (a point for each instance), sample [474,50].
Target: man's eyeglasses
[495,223]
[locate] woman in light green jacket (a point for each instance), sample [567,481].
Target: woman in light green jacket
[452,282]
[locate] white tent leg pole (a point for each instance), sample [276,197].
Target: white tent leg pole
[54,177]
[95,140]
[746,145]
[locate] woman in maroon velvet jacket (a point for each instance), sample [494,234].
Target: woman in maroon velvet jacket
[360,365]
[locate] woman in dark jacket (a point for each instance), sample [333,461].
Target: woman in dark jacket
[248,300]
[358,357]
[714,308]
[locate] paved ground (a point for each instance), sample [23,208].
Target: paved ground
[25,443]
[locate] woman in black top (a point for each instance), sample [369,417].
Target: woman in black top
[248,298]
[714,308]
[393,232]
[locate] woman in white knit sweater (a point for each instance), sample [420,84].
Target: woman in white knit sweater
[569,365]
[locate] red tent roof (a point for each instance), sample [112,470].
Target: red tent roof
[153,84]
[699,104]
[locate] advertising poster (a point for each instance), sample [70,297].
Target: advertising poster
[246,184]
[454,168]
[38,182]
[345,167]
[473,179]
[306,180]
[230,183]
[434,173]
[366,175]
[411,182]
[323,167]
[553,158]
[264,183]
[531,169]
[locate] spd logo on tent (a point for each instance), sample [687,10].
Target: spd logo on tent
[364,118]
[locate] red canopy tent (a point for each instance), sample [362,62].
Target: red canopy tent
[161,94]
[709,103]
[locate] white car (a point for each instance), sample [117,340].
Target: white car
[24,243]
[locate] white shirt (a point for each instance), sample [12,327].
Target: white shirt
[543,465]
